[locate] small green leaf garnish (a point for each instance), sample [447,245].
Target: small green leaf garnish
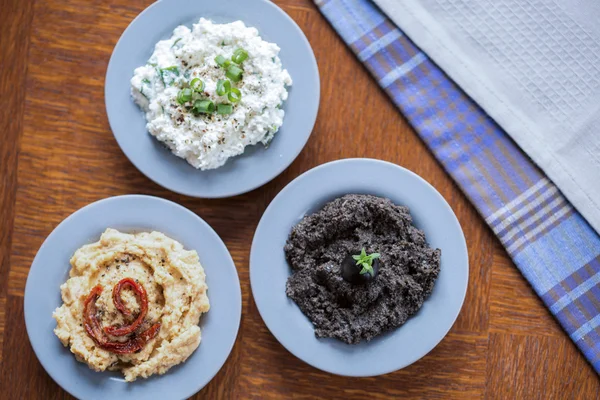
[146,80]
[366,261]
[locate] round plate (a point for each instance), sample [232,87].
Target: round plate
[257,165]
[51,267]
[307,194]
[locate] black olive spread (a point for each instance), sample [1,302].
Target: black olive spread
[322,247]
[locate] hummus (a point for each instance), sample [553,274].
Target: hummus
[188,62]
[175,291]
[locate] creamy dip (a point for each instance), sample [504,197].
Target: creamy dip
[207,140]
[174,292]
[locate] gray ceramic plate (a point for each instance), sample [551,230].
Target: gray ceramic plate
[257,165]
[51,267]
[307,194]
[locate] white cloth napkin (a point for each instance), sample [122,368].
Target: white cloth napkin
[534,67]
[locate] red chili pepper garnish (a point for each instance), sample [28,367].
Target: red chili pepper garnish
[94,329]
[143,298]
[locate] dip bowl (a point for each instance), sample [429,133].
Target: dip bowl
[307,194]
[258,165]
[132,214]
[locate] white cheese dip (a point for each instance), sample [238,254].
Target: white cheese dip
[207,140]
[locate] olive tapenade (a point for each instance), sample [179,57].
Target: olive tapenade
[396,269]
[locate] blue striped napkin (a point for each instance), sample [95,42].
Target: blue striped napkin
[551,244]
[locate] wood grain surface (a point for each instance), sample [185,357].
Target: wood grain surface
[57,154]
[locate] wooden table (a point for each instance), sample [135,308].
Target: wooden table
[57,154]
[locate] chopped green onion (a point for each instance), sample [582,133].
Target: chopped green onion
[204,107]
[224,109]
[234,95]
[239,56]
[177,41]
[234,73]
[223,43]
[223,87]
[220,60]
[146,80]
[184,95]
[197,85]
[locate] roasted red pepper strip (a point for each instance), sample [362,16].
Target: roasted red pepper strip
[135,343]
[90,317]
[143,299]
[94,329]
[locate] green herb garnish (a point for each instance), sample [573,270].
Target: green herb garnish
[234,95]
[239,55]
[147,82]
[222,61]
[224,109]
[203,107]
[197,85]
[223,87]
[366,262]
[184,95]
[172,69]
[168,72]
[160,74]
[234,73]
[177,41]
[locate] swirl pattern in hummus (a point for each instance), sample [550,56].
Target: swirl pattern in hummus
[176,289]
